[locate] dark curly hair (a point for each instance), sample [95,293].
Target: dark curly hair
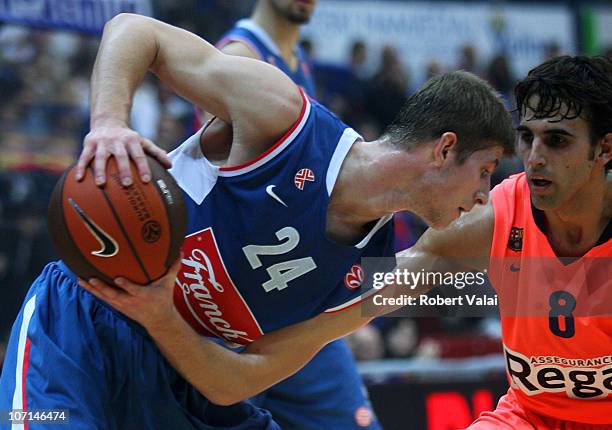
[570,87]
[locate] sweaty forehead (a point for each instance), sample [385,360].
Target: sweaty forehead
[575,126]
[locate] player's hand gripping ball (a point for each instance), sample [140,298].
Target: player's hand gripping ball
[133,232]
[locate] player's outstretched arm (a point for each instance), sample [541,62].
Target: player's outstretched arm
[258,100]
[226,377]
[279,354]
[222,375]
[468,237]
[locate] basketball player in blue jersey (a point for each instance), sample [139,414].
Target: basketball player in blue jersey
[276,234]
[328,392]
[271,34]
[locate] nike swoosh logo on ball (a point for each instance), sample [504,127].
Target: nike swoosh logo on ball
[271,193]
[109,245]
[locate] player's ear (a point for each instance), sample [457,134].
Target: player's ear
[443,147]
[605,152]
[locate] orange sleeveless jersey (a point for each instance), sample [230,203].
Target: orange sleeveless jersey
[556,320]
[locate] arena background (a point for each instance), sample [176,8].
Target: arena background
[368,57]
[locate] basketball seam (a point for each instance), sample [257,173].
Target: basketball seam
[125,234]
[173,237]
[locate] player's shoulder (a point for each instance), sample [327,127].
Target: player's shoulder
[511,192]
[511,182]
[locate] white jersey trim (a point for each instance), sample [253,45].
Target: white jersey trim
[192,170]
[381,222]
[275,149]
[197,176]
[260,33]
[28,311]
[353,301]
[348,138]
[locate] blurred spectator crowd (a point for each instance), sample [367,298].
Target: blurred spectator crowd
[44,79]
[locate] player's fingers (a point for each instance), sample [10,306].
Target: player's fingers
[93,290]
[88,287]
[137,154]
[118,299]
[176,266]
[108,293]
[169,278]
[100,160]
[157,152]
[84,159]
[123,165]
[129,287]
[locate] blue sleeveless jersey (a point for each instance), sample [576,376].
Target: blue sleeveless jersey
[256,38]
[256,257]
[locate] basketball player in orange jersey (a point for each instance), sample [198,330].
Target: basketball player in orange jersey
[548,233]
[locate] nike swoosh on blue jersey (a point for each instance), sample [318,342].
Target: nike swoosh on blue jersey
[271,193]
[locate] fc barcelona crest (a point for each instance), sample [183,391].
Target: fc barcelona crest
[515,242]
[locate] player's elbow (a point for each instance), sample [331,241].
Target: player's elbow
[238,387]
[125,23]
[122,19]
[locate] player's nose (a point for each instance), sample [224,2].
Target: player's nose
[535,156]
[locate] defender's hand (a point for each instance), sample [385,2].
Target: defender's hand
[150,305]
[123,143]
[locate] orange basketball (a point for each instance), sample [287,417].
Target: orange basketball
[104,232]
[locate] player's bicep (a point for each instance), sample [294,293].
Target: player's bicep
[252,95]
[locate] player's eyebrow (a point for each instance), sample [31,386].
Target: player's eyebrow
[559,131]
[523,128]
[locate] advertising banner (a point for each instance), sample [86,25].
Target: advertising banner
[87,16]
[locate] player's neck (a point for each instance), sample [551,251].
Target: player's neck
[284,33]
[372,183]
[575,227]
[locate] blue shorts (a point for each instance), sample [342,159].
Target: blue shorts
[70,351]
[327,393]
